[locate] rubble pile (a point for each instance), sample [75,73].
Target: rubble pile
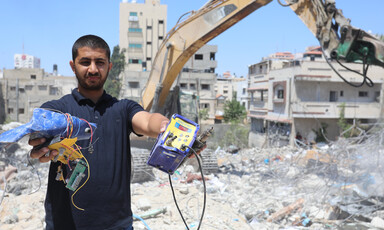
[338,185]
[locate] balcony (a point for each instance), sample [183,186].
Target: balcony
[257,109]
[332,110]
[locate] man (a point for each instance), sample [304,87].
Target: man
[106,195]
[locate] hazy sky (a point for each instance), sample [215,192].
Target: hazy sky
[48,28]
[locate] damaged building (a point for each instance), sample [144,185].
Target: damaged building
[301,97]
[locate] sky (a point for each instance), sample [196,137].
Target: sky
[47,29]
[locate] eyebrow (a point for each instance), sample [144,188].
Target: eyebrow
[97,59]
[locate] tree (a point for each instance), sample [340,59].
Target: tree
[380,36]
[234,111]
[113,83]
[203,114]
[347,130]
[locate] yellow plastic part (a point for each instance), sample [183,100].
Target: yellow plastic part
[66,150]
[181,132]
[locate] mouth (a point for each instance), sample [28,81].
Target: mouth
[93,78]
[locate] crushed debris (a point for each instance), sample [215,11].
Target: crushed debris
[334,186]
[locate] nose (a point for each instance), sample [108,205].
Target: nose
[92,68]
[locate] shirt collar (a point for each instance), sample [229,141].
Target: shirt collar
[81,99]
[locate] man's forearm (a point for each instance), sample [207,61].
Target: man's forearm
[156,124]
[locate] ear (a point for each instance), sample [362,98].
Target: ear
[72,64]
[110,66]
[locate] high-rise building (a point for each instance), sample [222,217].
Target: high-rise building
[143,27]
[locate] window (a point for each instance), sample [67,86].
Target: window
[53,91]
[280,93]
[149,27]
[21,90]
[161,21]
[212,56]
[377,96]
[42,87]
[21,111]
[225,91]
[134,84]
[341,93]
[160,37]
[134,61]
[198,57]
[244,90]
[192,86]
[10,110]
[149,58]
[312,58]
[205,87]
[28,87]
[135,30]
[332,96]
[13,88]
[363,93]
[133,17]
[183,85]
[135,45]
[149,43]
[33,76]
[204,105]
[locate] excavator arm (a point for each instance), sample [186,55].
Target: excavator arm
[187,37]
[337,37]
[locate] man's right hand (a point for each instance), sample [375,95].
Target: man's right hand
[41,153]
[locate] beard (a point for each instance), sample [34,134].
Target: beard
[93,86]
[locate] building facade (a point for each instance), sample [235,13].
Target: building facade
[305,96]
[142,30]
[143,27]
[24,89]
[26,61]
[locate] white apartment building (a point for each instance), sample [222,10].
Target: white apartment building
[198,77]
[26,61]
[288,97]
[143,27]
[142,30]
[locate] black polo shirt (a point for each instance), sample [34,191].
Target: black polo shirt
[106,195]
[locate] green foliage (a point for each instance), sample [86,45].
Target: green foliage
[203,114]
[346,129]
[380,36]
[113,83]
[233,111]
[236,134]
[321,133]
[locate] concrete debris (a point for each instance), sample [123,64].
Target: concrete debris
[334,186]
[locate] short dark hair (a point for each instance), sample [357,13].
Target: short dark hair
[91,41]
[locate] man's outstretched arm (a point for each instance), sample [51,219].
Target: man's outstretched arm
[149,124]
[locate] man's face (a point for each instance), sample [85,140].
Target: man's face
[91,68]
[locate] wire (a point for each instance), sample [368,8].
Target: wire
[285,5]
[366,79]
[174,198]
[89,173]
[142,220]
[37,172]
[205,191]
